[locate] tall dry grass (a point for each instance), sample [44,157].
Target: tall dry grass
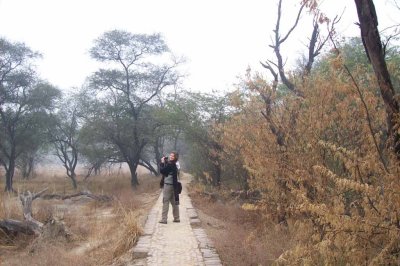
[129,235]
[10,207]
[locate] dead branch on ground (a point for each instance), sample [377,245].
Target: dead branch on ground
[101,198]
[29,225]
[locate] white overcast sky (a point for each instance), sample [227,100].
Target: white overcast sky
[219,38]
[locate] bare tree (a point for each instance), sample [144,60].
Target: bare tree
[277,67]
[315,46]
[64,134]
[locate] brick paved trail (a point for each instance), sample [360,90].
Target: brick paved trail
[184,243]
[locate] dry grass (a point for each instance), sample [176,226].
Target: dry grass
[102,231]
[10,207]
[53,254]
[252,243]
[129,235]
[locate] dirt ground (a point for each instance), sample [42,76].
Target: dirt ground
[240,236]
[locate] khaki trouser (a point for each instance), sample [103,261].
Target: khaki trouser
[168,196]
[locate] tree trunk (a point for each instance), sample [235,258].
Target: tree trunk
[27,166]
[132,168]
[134,180]
[373,47]
[157,153]
[30,168]
[73,178]
[10,175]
[217,178]
[176,139]
[97,169]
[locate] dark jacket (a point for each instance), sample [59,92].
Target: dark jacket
[171,169]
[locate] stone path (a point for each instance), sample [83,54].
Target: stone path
[184,243]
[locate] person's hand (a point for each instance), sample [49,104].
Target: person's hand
[163,159]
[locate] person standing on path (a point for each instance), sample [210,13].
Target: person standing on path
[169,170]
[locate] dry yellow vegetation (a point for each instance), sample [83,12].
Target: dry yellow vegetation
[322,166]
[101,232]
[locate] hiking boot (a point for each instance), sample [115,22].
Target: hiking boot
[177,221]
[162,222]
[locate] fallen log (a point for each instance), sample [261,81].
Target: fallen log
[29,225]
[102,198]
[10,227]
